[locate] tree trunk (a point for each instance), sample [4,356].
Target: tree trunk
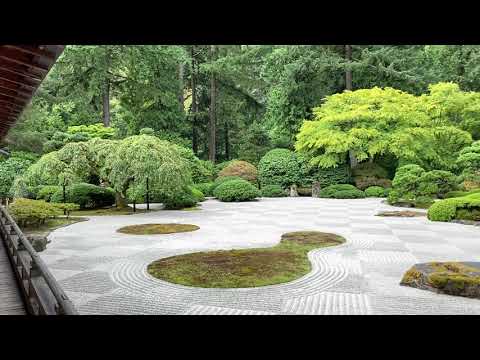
[213,110]
[181,98]
[227,142]
[106,104]
[353,159]
[194,103]
[348,72]
[120,201]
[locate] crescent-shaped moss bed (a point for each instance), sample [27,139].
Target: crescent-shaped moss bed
[151,229]
[245,268]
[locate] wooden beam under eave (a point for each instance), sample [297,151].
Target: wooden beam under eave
[21,72]
[33,50]
[15,101]
[19,79]
[14,92]
[21,58]
[8,93]
[10,104]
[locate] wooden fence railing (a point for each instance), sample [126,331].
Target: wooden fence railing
[42,293]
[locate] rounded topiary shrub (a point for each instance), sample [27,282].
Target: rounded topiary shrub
[221,180]
[242,169]
[46,192]
[342,191]
[443,210]
[205,188]
[273,191]
[197,194]
[236,190]
[88,196]
[279,167]
[375,191]
[180,200]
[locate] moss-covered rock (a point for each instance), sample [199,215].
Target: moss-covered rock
[452,278]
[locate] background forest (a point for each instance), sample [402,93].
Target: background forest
[222,101]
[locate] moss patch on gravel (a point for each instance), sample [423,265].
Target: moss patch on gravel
[406,213]
[51,225]
[245,268]
[151,229]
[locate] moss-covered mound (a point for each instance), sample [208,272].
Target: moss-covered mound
[452,278]
[282,263]
[151,229]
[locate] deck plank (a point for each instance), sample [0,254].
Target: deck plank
[11,302]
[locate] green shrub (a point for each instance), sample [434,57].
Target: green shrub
[330,176]
[369,174]
[88,196]
[147,131]
[67,208]
[341,191]
[221,180]
[273,191]
[454,194]
[46,192]
[27,212]
[437,183]
[242,169]
[197,194]
[455,208]
[375,191]
[236,190]
[180,200]
[205,188]
[279,167]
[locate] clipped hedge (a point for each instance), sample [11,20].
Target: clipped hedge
[221,180]
[197,194]
[454,208]
[341,191]
[309,173]
[180,200]
[369,174]
[236,190]
[27,212]
[242,169]
[88,196]
[46,192]
[375,191]
[279,167]
[271,191]
[205,188]
[455,194]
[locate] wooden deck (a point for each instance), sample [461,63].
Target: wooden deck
[11,302]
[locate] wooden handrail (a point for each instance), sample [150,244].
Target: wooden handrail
[42,293]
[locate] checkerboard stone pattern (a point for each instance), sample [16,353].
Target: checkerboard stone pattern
[104,272]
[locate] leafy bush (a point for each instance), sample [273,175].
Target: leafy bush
[220,166]
[454,208]
[341,191]
[46,192]
[454,194]
[205,188]
[67,208]
[202,171]
[273,191]
[11,168]
[221,180]
[369,174]
[88,196]
[375,191]
[180,200]
[330,176]
[93,131]
[236,190]
[413,185]
[242,169]
[197,194]
[27,212]
[147,131]
[279,167]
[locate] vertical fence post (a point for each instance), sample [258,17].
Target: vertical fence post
[148,196]
[64,198]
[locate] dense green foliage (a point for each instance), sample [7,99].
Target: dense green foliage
[197,194]
[205,188]
[279,167]
[10,168]
[180,200]
[412,184]
[466,207]
[236,190]
[375,191]
[221,180]
[342,191]
[47,191]
[27,212]
[273,191]
[242,169]
[87,196]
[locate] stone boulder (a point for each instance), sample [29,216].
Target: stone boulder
[39,243]
[452,278]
